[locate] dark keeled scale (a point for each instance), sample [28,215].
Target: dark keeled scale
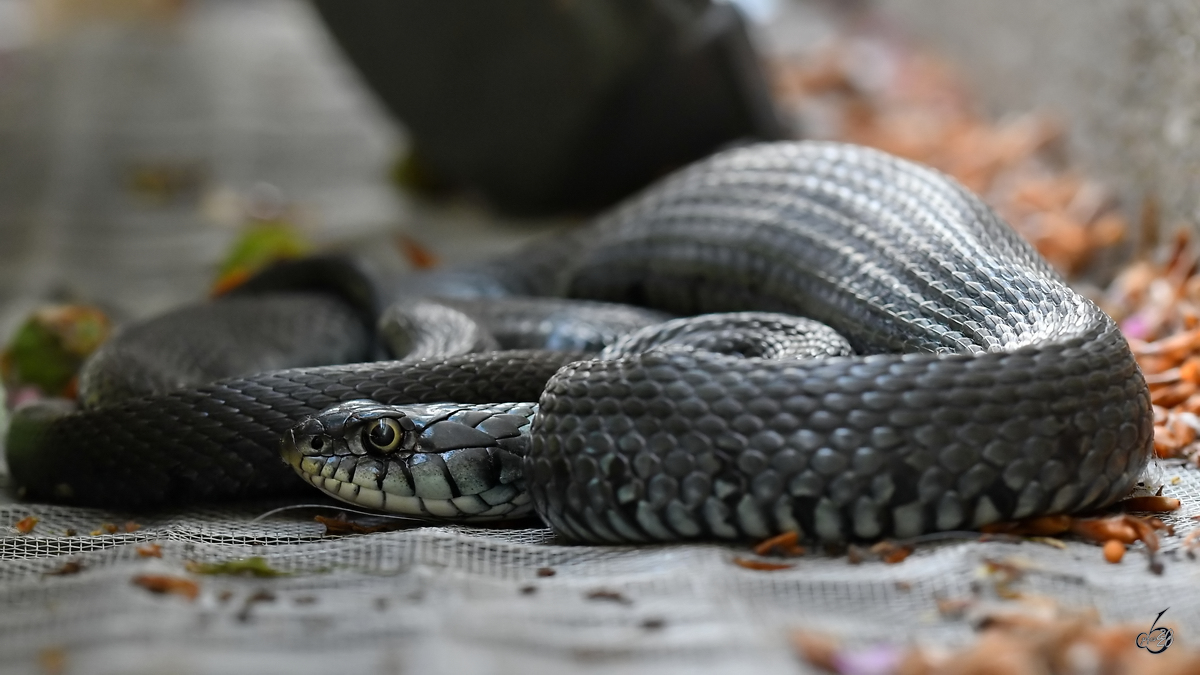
[985,390]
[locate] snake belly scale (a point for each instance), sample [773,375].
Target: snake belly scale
[982,387]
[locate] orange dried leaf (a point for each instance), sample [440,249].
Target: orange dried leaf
[1184,432]
[1146,530]
[26,524]
[818,649]
[416,253]
[1160,368]
[1063,241]
[68,568]
[1175,347]
[1050,194]
[1161,379]
[1188,316]
[149,551]
[1124,528]
[1155,503]
[1165,443]
[340,524]
[760,565]
[1191,405]
[786,544]
[1113,551]
[1042,526]
[228,282]
[1108,230]
[890,552]
[52,660]
[1160,415]
[1158,524]
[1190,370]
[163,584]
[1192,540]
[954,607]
[1104,529]
[1172,395]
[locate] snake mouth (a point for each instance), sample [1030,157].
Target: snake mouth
[415,484]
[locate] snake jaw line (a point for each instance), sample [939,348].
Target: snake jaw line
[451,462]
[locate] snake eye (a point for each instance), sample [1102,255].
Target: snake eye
[384,434]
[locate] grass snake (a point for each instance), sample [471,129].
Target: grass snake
[973,384]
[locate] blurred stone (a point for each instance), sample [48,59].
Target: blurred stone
[549,106]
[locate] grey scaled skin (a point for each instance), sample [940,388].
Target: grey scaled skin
[446,461]
[981,387]
[469,462]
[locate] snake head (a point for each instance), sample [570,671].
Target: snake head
[443,460]
[355,428]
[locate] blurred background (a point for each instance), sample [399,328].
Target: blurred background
[140,138]
[151,150]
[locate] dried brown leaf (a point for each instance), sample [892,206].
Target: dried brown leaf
[761,565]
[786,544]
[164,584]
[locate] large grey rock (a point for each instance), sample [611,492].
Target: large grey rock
[548,107]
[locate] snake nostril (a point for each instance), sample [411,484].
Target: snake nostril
[316,443]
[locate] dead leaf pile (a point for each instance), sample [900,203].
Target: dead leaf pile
[875,90]
[1020,638]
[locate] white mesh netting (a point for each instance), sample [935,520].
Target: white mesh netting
[458,599]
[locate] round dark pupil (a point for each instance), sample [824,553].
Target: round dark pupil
[382,434]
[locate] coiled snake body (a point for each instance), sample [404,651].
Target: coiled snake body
[982,388]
